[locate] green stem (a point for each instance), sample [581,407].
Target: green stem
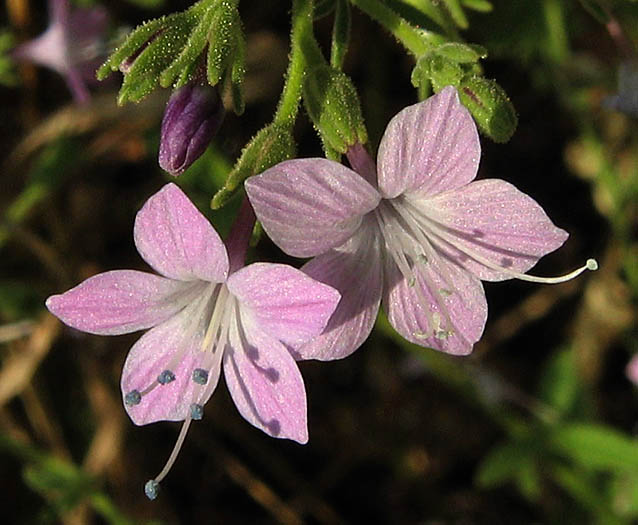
[413,39]
[304,53]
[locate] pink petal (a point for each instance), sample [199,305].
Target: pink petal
[177,240]
[308,206]
[265,383]
[439,283]
[499,222]
[175,345]
[355,270]
[119,302]
[429,147]
[283,301]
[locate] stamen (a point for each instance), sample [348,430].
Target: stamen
[398,246]
[200,376]
[165,377]
[433,229]
[197,411]
[151,488]
[133,398]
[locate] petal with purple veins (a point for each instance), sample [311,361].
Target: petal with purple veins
[308,206]
[429,147]
[355,270]
[283,301]
[176,240]
[120,301]
[265,383]
[495,220]
[443,308]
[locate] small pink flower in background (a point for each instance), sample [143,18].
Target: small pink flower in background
[631,370]
[205,312]
[415,231]
[72,45]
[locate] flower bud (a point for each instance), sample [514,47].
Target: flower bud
[333,105]
[490,107]
[192,117]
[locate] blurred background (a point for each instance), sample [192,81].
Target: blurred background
[538,425]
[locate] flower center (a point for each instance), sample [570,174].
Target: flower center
[218,306]
[412,252]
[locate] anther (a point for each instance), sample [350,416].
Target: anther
[151,489]
[197,411]
[165,377]
[200,376]
[133,398]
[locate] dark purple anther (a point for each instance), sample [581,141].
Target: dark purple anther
[192,117]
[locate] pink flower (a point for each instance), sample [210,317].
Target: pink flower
[631,370]
[205,312]
[72,45]
[415,231]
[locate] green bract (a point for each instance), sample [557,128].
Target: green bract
[333,105]
[172,49]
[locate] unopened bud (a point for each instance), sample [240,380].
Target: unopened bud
[490,107]
[333,105]
[192,117]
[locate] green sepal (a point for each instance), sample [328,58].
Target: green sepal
[461,53]
[272,145]
[194,46]
[446,65]
[332,103]
[170,51]
[490,107]
[438,70]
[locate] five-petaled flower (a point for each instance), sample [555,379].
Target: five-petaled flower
[206,312]
[72,45]
[415,230]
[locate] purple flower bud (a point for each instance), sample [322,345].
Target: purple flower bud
[192,117]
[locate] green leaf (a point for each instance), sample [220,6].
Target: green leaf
[560,384]
[502,464]
[482,6]
[624,493]
[490,107]
[595,446]
[456,12]
[584,489]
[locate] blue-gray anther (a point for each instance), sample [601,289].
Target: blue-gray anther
[165,377]
[197,411]
[200,376]
[151,489]
[133,398]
